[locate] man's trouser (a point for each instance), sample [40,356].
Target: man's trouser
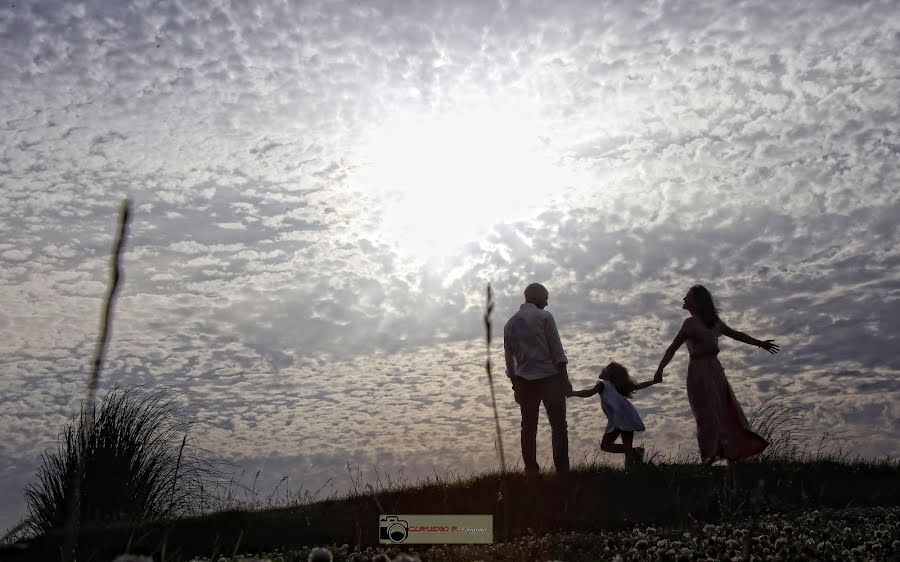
[552,392]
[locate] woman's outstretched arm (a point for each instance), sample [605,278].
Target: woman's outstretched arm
[768,345]
[680,338]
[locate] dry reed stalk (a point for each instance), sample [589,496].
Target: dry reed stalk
[487,367]
[504,489]
[70,541]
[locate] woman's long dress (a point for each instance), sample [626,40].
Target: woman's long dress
[723,431]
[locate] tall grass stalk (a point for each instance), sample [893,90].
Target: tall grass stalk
[102,340]
[177,466]
[781,425]
[487,367]
[504,489]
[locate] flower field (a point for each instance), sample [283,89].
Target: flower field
[826,534]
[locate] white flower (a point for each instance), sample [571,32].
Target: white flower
[320,554]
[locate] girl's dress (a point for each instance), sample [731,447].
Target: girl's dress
[722,429]
[620,412]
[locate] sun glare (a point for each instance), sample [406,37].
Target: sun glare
[444,179]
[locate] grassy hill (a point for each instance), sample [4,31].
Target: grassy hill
[597,498]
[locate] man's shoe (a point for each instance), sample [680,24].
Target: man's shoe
[533,475]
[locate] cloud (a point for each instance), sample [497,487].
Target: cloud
[751,148]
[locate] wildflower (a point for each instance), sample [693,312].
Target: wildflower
[319,554]
[780,542]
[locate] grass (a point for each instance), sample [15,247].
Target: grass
[133,467]
[598,498]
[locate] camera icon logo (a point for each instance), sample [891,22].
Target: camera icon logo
[392,528]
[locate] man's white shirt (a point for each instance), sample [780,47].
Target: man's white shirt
[531,344]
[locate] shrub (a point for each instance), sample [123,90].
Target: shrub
[136,465]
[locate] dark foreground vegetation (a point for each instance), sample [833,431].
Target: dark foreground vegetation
[599,503]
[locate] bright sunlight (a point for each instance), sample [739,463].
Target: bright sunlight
[443,180]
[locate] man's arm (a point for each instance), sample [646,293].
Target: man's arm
[556,351]
[510,356]
[508,353]
[563,372]
[553,341]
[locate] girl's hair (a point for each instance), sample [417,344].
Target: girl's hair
[619,377]
[704,305]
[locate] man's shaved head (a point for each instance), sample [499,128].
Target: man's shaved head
[537,294]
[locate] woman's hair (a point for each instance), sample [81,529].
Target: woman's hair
[619,377]
[704,305]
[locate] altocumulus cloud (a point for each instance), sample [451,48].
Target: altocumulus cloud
[752,148]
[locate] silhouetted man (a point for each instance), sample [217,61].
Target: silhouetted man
[536,365]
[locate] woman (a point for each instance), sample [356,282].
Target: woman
[722,429]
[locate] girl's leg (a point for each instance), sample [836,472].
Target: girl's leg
[608,443]
[630,452]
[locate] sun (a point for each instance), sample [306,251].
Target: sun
[443,179]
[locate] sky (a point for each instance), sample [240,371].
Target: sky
[321,192]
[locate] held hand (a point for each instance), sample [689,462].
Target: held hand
[770,346]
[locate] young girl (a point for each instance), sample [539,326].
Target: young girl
[615,388]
